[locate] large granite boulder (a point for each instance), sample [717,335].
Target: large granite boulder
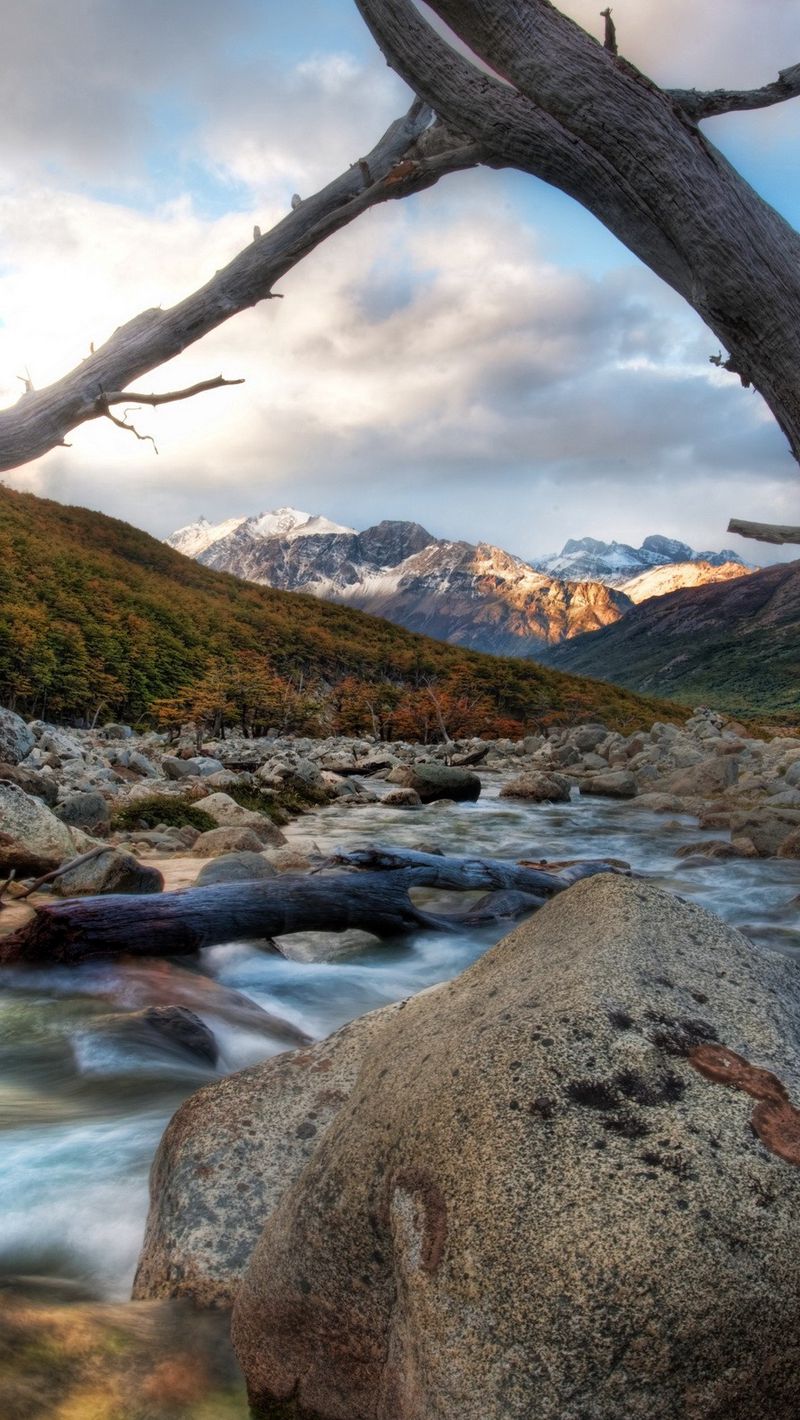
[432,780]
[565,1184]
[16,740]
[230,1152]
[539,787]
[246,867]
[113,870]
[226,840]
[88,810]
[42,785]
[228,814]
[32,839]
[613,784]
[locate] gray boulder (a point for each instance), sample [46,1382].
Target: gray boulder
[566,1184]
[227,1156]
[201,765]
[437,781]
[114,870]
[216,841]
[614,784]
[175,768]
[33,781]
[766,828]
[400,798]
[89,811]
[541,788]
[116,732]
[32,839]
[175,1027]
[16,740]
[235,868]
[228,814]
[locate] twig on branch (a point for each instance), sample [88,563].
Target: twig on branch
[610,39]
[103,410]
[698,104]
[764,532]
[171,396]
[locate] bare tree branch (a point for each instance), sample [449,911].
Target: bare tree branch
[40,419]
[102,409]
[121,395]
[764,532]
[698,104]
[589,122]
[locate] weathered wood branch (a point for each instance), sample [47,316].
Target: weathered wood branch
[375,900]
[125,396]
[397,166]
[764,532]
[698,104]
[589,122]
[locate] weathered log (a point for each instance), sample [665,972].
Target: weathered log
[764,532]
[177,923]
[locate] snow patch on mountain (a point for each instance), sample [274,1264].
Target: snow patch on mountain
[290,523]
[617,563]
[197,537]
[660,581]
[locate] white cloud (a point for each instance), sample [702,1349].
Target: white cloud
[428,362]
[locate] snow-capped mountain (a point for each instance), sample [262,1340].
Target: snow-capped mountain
[616,563]
[478,596]
[287,523]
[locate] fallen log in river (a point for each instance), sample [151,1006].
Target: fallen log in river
[373,894]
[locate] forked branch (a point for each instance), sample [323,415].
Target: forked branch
[698,104]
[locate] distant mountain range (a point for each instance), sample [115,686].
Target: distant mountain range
[734,644]
[474,595]
[617,563]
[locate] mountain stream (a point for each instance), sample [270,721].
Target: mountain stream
[82,1108]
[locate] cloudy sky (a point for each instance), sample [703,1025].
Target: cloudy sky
[484,358]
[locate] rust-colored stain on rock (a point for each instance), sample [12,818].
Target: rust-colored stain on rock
[427,1193]
[775,1120]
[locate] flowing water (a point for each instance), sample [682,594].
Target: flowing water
[82,1104]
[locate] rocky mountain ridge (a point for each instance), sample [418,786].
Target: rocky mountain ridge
[474,595]
[616,563]
[733,642]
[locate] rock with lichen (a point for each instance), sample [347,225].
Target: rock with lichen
[564,1184]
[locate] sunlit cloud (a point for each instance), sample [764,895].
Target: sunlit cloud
[435,360]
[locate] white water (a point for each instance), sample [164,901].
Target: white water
[81,1113]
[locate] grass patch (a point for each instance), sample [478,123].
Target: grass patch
[156,809]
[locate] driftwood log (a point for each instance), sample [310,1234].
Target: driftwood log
[374,895]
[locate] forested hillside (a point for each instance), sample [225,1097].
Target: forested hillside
[97,617]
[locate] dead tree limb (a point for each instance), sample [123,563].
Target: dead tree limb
[177,923]
[594,126]
[764,532]
[698,104]
[122,396]
[397,166]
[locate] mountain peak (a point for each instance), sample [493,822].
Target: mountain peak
[290,522]
[196,537]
